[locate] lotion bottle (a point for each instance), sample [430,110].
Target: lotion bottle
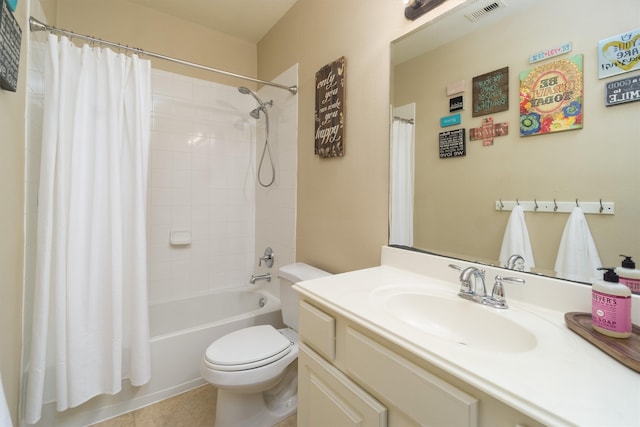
[611,306]
[629,275]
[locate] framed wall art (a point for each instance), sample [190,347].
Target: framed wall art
[551,97]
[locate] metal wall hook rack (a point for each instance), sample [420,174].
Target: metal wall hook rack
[535,205]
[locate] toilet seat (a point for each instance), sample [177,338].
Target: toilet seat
[247,348]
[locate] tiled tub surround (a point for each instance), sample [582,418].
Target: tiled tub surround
[201,180]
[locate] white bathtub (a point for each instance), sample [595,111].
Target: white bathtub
[180,332]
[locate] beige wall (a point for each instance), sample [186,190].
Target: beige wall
[134,25]
[455,210]
[342,202]
[12,125]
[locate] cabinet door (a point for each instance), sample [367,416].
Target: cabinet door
[326,397]
[420,395]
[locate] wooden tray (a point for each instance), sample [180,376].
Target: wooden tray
[624,350]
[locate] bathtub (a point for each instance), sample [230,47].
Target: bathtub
[180,332]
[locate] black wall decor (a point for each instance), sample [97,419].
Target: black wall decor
[10,38]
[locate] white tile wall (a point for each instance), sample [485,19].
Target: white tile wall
[201,154]
[276,213]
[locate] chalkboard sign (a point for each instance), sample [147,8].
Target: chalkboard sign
[452,144]
[622,91]
[329,116]
[10,40]
[491,92]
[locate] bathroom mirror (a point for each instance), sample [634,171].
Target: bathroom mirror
[454,199]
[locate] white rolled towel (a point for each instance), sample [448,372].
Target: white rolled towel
[516,240]
[578,257]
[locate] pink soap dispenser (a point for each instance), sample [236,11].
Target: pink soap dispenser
[611,306]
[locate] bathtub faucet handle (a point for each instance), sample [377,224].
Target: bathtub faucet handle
[267,258]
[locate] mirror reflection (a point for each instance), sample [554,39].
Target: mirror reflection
[450,205]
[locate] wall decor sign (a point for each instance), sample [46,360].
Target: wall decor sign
[456,103]
[329,112]
[488,130]
[490,92]
[452,120]
[452,144]
[455,87]
[550,53]
[619,54]
[622,91]
[10,40]
[551,97]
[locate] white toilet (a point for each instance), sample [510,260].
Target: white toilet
[255,368]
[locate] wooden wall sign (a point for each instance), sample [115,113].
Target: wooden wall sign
[329,115]
[490,92]
[10,39]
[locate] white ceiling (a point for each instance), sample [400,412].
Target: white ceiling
[249,20]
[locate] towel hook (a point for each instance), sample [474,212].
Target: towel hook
[577,205]
[517,202]
[555,205]
[501,204]
[601,207]
[535,203]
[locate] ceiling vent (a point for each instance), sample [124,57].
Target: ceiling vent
[485,10]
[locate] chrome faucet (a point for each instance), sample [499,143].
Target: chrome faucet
[257,277]
[472,284]
[515,262]
[472,287]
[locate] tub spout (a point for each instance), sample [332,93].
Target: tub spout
[257,277]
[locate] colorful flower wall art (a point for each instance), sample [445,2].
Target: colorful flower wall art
[551,97]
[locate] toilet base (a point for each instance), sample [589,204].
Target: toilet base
[262,409]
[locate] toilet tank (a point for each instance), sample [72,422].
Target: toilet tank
[288,275]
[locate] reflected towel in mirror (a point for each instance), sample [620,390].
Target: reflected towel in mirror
[578,257]
[516,239]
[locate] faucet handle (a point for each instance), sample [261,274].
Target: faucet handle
[498,299]
[267,258]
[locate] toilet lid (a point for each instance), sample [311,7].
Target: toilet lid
[248,348]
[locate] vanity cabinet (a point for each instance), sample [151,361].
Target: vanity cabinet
[351,375]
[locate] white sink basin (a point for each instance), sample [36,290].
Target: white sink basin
[458,320]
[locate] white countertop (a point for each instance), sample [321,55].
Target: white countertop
[563,380]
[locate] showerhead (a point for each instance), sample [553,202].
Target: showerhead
[256,113]
[262,105]
[246,91]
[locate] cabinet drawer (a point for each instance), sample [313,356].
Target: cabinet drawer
[422,396]
[318,330]
[328,398]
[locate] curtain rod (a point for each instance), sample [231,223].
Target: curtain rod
[402,119]
[35,25]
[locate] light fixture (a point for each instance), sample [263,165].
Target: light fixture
[417,8]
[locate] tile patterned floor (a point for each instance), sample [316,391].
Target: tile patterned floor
[190,409]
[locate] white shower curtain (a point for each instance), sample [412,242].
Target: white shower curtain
[401,182]
[90,301]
